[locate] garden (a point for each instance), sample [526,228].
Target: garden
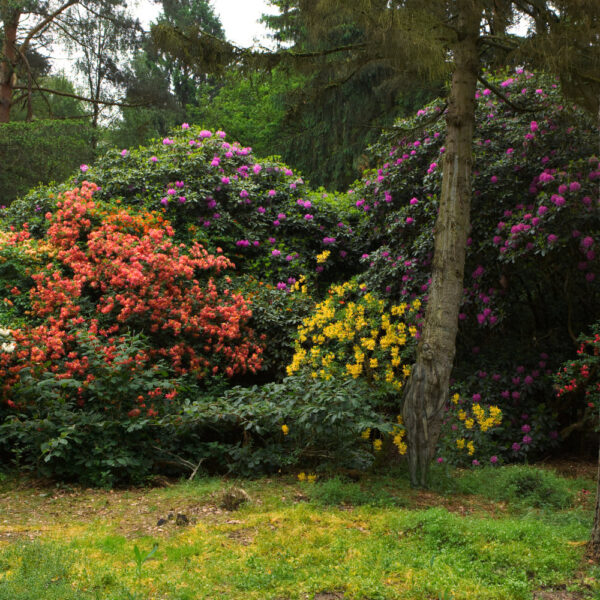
[203,362]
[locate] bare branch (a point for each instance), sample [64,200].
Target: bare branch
[45,22]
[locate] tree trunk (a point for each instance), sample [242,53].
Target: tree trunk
[594,544]
[427,389]
[8,60]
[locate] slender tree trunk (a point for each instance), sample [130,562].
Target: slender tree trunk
[8,60]
[427,389]
[594,544]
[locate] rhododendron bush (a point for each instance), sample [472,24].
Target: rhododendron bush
[258,211]
[117,274]
[531,277]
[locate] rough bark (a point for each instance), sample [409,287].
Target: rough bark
[594,544]
[8,60]
[427,389]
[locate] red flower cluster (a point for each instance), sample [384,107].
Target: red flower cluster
[116,272]
[582,374]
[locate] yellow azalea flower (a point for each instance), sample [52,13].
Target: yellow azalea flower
[321,258]
[469,423]
[311,478]
[366,434]
[471,448]
[455,398]
[302,476]
[377,445]
[285,429]
[460,443]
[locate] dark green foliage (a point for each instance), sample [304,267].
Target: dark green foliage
[341,491]
[102,444]
[242,431]
[41,152]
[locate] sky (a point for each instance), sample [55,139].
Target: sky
[240,19]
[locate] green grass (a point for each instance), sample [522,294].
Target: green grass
[493,537]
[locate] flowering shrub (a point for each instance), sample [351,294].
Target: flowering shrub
[276,315]
[468,428]
[581,377]
[532,258]
[259,212]
[98,425]
[117,272]
[351,338]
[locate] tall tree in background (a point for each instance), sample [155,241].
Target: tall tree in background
[102,46]
[180,13]
[27,29]
[426,39]
[340,103]
[171,91]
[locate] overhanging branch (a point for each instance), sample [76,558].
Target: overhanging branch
[83,98]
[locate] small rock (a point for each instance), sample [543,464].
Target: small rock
[233,498]
[181,520]
[161,522]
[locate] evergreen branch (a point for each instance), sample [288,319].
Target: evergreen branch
[491,40]
[211,54]
[503,96]
[82,98]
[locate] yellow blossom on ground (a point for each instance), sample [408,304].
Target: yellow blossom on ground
[311,478]
[302,476]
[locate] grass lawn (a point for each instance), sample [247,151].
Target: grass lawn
[504,533]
